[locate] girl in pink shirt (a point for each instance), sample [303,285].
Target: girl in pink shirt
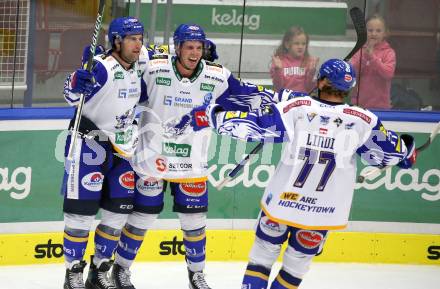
[292,66]
[376,68]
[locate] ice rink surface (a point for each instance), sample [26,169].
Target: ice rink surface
[225,275]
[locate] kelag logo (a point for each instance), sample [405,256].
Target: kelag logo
[163,81]
[48,250]
[19,184]
[178,150]
[173,247]
[434,252]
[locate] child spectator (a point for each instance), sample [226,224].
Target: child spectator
[292,66]
[376,69]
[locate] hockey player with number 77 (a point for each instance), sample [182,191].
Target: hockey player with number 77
[312,188]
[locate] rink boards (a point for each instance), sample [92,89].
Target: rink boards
[403,203]
[234,245]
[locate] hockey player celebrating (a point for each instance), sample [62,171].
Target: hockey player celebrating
[312,188]
[99,175]
[171,152]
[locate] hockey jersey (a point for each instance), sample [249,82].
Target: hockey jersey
[313,184]
[110,107]
[168,146]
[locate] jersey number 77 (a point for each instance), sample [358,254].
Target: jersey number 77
[311,156]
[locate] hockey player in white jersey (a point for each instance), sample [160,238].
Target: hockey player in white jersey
[100,176]
[170,152]
[312,188]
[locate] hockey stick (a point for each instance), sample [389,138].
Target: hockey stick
[79,108]
[435,131]
[358,19]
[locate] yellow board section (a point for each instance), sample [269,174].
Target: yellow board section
[229,245]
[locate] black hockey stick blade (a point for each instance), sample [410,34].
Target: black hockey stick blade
[239,166]
[358,19]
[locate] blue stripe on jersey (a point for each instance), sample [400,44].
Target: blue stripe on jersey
[382,148]
[144,92]
[258,125]
[242,96]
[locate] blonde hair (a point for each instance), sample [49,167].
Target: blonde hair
[288,36]
[381,19]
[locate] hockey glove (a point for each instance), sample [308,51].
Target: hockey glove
[199,120]
[210,51]
[411,154]
[83,82]
[86,53]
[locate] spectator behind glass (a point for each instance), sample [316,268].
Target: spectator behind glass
[292,66]
[376,68]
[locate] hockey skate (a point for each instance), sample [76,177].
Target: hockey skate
[121,277]
[74,276]
[197,280]
[98,276]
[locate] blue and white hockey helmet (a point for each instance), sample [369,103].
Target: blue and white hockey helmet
[123,26]
[340,73]
[188,32]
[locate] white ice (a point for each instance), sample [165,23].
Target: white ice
[228,275]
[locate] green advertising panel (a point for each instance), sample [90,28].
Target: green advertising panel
[31,173]
[259,19]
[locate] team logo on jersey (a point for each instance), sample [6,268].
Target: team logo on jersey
[178,101]
[161,165]
[176,150]
[299,102]
[176,126]
[359,114]
[167,100]
[349,125]
[309,239]
[272,228]
[338,121]
[324,120]
[126,180]
[323,130]
[197,189]
[118,75]
[201,119]
[207,87]
[311,116]
[214,67]
[125,119]
[149,187]
[93,181]
[124,93]
[163,81]
[123,137]
[114,67]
